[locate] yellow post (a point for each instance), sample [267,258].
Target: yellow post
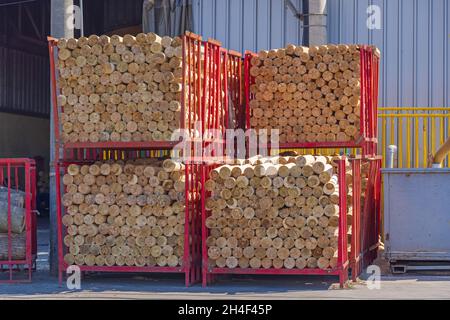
[433,135]
[416,141]
[400,141]
[392,130]
[408,142]
[425,142]
[383,140]
[441,130]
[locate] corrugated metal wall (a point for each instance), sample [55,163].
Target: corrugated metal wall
[414,42]
[247,24]
[412,31]
[24,83]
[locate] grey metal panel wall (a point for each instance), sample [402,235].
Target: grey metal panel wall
[414,43]
[24,84]
[415,56]
[247,24]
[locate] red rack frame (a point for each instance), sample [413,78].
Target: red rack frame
[366,217]
[201,77]
[343,263]
[15,174]
[192,46]
[191,257]
[368,139]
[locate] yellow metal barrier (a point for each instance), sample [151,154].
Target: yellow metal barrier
[416,132]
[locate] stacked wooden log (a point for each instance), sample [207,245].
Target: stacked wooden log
[278,212]
[309,94]
[18,246]
[125,213]
[12,220]
[121,88]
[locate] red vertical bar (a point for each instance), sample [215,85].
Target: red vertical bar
[217,72]
[186,257]
[214,86]
[213,83]
[33,208]
[9,222]
[206,87]
[342,241]
[247,88]
[377,198]
[59,221]
[217,69]
[28,193]
[239,104]
[228,71]
[199,104]
[183,89]
[225,110]
[375,107]
[189,66]
[370,95]
[356,207]
[204,231]
[362,99]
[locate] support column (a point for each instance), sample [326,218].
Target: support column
[58,28]
[317,22]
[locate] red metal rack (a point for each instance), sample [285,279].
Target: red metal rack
[368,138]
[191,257]
[15,175]
[366,215]
[203,70]
[192,49]
[343,263]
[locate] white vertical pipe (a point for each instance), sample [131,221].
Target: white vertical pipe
[317,22]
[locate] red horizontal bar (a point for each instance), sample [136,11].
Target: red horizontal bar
[12,262]
[311,145]
[132,269]
[16,161]
[122,145]
[273,271]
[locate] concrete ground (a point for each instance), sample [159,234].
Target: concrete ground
[113,286]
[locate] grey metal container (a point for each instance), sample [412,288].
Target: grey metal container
[417,214]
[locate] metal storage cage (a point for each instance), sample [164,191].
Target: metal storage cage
[18,243]
[193,46]
[343,263]
[200,99]
[190,265]
[366,214]
[367,140]
[357,248]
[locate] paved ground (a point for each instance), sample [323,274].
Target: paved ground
[102,286]
[113,287]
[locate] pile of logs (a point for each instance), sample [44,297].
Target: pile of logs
[277,212]
[309,94]
[125,213]
[120,88]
